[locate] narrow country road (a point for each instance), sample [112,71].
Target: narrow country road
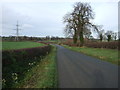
[76,70]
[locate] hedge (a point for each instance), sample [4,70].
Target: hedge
[107,45]
[16,62]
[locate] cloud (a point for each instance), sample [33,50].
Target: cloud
[45,18]
[27,26]
[60,1]
[10,18]
[119,17]
[106,15]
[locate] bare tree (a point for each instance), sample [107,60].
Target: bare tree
[87,33]
[71,28]
[78,21]
[109,35]
[119,35]
[100,32]
[114,36]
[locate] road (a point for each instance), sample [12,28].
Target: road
[76,70]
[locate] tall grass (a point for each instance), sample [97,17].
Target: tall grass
[44,74]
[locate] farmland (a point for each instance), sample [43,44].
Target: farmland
[59,45]
[19,45]
[20,61]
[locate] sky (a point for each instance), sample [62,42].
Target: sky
[45,18]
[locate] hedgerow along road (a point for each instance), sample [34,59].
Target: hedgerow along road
[76,70]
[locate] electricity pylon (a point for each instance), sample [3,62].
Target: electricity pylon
[17,31]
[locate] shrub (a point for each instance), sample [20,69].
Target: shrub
[108,45]
[92,44]
[16,62]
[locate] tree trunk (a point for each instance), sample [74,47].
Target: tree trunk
[75,38]
[101,37]
[81,39]
[109,37]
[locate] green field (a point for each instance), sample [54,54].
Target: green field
[19,45]
[108,55]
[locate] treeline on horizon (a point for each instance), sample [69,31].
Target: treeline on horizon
[31,38]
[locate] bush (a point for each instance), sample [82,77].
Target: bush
[93,44]
[108,45]
[16,62]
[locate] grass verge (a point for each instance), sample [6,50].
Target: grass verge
[19,45]
[43,75]
[108,55]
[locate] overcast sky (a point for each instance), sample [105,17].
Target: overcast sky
[38,18]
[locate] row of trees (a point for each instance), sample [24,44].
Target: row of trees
[26,38]
[108,35]
[79,25]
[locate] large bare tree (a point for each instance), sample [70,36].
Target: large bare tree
[71,27]
[78,21]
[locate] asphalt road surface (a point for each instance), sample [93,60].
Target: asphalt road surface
[76,70]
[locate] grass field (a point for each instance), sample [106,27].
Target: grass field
[43,75]
[53,41]
[19,45]
[108,55]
